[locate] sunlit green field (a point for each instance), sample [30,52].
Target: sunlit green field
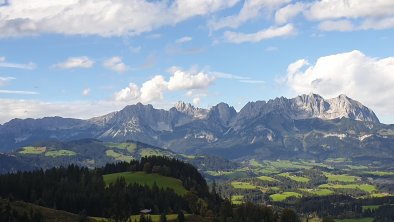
[118,156]
[243,185]
[272,178]
[364,187]
[318,192]
[295,178]
[267,178]
[147,179]
[237,199]
[33,150]
[58,153]
[283,196]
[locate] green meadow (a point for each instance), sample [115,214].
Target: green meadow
[295,178]
[283,196]
[118,156]
[33,150]
[243,185]
[341,178]
[147,179]
[59,153]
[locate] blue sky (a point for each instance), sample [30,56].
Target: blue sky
[81,59]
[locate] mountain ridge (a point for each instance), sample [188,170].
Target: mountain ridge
[267,128]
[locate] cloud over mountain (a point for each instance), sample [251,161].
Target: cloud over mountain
[355,74]
[154,88]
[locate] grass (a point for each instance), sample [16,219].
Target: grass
[267,179]
[118,156]
[151,152]
[243,185]
[345,178]
[58,153]
[283,196]
[147,179]
[364,187]
[295,178]
[356,167]
[365,219]
[318,192]
[378,195]
[33,150]
[275,188]
[254,163]
[237,199]
[378,173]
[131,147]
[50,215]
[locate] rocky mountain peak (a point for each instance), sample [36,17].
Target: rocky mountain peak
[223,113]
[190,110]
[346,107]
[315,106]
[310,106]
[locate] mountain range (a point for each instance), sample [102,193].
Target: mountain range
[306,126]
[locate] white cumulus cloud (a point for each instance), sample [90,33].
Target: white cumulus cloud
[115,64]
[272,32]
[337,9]
[251,9]
[285,14]
[100,17]
[346,15]
[76,62]
[153,89]
[367,79]
[130,93]
[181,79]
[337,25]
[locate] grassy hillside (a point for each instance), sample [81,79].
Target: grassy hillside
[86,152]
[49,214]
[148,179]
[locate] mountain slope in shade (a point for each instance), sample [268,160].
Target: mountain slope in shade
[307,125]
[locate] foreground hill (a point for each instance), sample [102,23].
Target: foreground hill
[307,126]
[26,212]
[111,193]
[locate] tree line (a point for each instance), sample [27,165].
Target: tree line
[82,191]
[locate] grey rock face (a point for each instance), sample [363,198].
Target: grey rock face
[306,123]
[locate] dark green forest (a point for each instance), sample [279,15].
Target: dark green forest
[82,191]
